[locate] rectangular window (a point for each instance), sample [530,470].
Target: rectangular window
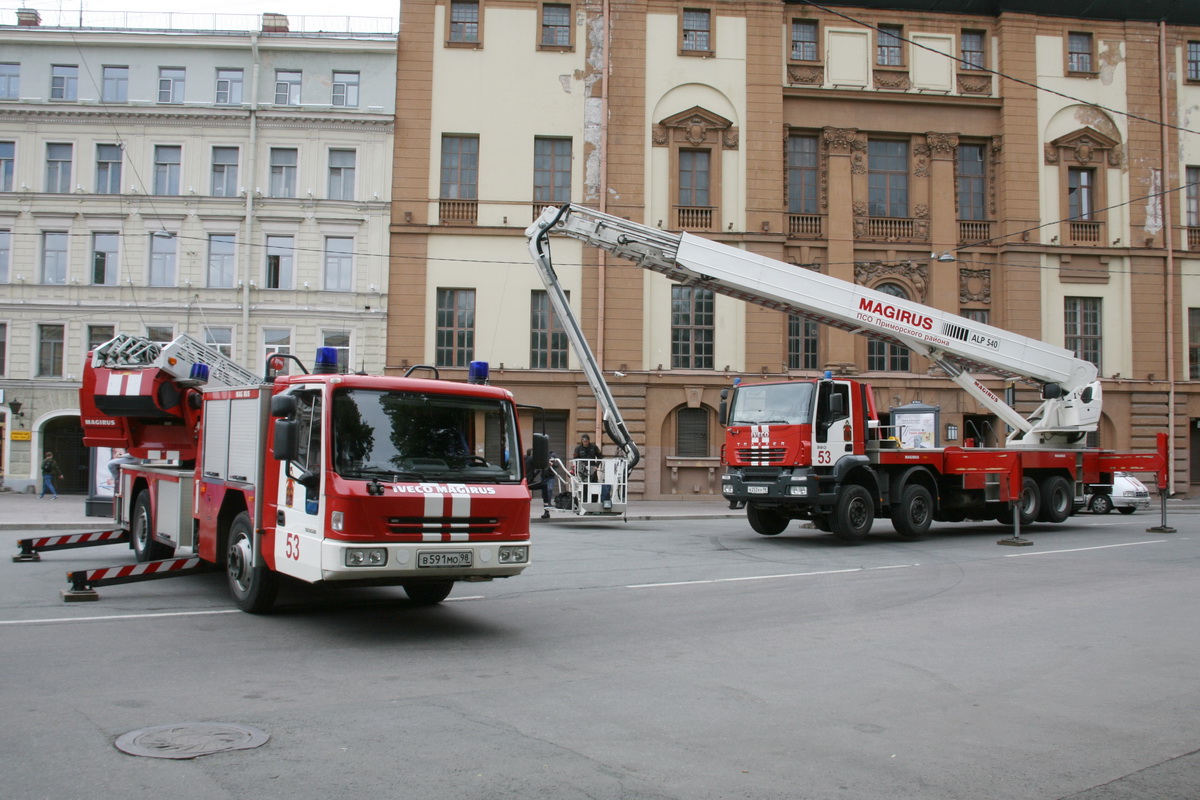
[803,175]
[108,169]
[697,30]
[98,335]
[345,89]
[229,87]
[887,357]
[547,339]
[58,167]
[694,178]
[1082,327]
[54,258]
[804,40]
[50,351]
[460,167]
[225,172]
[168,161]
[287,87]
[802,343]
[1192,197]
[339,341]
[889,46]
[10,81]
[5,256]
[556,25]
[105,266]
[219,339]
[339,263]
[64,82]
[1193,344]
[692,327]
[171,84]
[887,178]
[1193,61]
[160,334]
[341,174]
[971,51]
[551,170]
[464,21]
[278,341]
[1079,52]
[8,165]
[281,252]
[3,348]
[1080,193]
[162,259]
[115,87]
[976,315]
[972,190]
[455,344]
[222,265]
[283,172]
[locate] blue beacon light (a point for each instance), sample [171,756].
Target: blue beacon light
[327,362]
[477,372]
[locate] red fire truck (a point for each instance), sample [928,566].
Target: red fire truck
[328,478]
[813,449]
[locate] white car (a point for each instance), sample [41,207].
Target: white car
[1128,495]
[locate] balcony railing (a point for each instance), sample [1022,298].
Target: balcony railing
[889,228]
[1085,232]
[806,225]
[694,218]
[458,212]
[1193,238]
[974,231]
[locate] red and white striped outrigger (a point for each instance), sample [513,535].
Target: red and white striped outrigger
[84,582]
[32,548]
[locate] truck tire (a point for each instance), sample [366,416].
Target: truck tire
[1030,501]
[853,515]
[141,532]
[914,515]
[1101,504]
[428,594]
[1057,499]
[1127,509]
[766,521]
[253,588]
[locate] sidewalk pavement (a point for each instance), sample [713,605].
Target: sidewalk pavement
[28,512]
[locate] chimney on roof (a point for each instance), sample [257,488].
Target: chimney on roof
[274,23]
[28,17]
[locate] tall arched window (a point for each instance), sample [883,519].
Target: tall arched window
[885,356]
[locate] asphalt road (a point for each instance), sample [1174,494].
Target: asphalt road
[649,659]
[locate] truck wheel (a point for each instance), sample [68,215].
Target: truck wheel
[1030,501]
[141,534]
[853,515]
[253,588]
[428,594]
[1057,499]
[765,521]
[1101,504]
[1127,509]
[915,513]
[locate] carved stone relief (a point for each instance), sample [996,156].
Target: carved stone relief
[974,285]
[913,275]
[806,74]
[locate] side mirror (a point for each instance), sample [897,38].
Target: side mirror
[283,405]
[837,406]
[541,451]
[723,408]
[287,443]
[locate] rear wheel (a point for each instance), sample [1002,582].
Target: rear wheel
[1029,501]
[428,594]
[915,513]
[253,588]
[853,515]
[1057,499]
[766,521]
[142,532]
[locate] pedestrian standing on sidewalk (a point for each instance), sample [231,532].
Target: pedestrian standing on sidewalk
[49,471]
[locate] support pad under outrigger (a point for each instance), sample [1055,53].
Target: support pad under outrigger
[31,549]
[83,582]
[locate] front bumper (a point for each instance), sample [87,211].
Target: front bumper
[402,562]
[775,488]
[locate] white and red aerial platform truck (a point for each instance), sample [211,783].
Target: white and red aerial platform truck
[327,478]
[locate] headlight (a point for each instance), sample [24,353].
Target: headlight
[798,491]
[514,555]
[366,557]
[337,520]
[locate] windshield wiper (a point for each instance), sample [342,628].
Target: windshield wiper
[386,474]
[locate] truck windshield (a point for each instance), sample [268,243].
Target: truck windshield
[414,436]
[772,404]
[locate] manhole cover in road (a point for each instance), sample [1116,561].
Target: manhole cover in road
[190,739]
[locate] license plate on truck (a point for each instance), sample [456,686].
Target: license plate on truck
[452,558]
[756,489]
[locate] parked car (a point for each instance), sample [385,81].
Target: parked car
[1128,495]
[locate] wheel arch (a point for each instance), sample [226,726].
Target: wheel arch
[232,504]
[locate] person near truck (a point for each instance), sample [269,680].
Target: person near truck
[49,471]
[591,472]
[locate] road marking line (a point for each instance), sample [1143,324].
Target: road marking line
[118,616]
[1080,549]
[765,577]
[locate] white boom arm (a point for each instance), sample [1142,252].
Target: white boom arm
[1071,394]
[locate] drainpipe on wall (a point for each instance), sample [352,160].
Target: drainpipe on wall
[251,172]
[1169,244]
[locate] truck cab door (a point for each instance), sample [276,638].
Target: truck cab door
[299,520]
[833,430]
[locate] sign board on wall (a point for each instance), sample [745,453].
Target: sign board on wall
[21,436]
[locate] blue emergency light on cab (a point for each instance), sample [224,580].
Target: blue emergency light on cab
[326,362]
[477,372]
[199,372]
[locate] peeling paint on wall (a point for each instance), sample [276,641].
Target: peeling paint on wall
[1154,214]
[593,108]
[1110,59]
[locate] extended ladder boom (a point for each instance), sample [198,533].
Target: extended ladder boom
[1070,391]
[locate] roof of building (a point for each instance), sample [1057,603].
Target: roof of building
[1178,12]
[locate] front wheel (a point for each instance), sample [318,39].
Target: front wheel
[1127,509]
[253,588]
[428,594]
[141,533]
[915,514]
[1101,504]
[765,521]
[853,515]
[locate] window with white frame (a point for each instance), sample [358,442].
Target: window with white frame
[160,334]
[108,169]
[115,85]
[341,174]
[105,263]
[163,250]
[99,334]
[3,348]
[229,87]
[54,258]
[283,171]
[10,81]
[345,89]
[58,167]
[222,264]
[339,341]
[220,339]
[64,82]
[171,84]
[278,341]
[339,263]
[281,251]
[8,165]
[225,172]
[287,87]
[5,256]
[51,345]
[168,162]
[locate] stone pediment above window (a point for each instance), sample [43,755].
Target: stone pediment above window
[1084,147]
[695,127]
